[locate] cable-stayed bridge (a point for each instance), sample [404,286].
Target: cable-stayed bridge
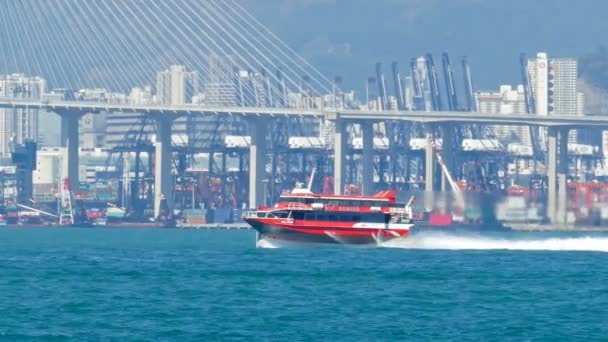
[229,64]
[118,45]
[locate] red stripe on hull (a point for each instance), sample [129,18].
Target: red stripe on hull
[334,232]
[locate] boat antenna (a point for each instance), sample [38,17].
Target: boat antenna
[312,178]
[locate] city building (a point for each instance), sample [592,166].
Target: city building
[141,96]
[93,126]
[505,101]
[553,82]
[176,86]
[19,125]
[219,86]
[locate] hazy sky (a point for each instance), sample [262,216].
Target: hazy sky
[346,37]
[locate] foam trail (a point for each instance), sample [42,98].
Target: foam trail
[265,243]
[477,242]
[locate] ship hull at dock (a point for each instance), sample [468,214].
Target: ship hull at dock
[324,234]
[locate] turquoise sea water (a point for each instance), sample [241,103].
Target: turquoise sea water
[83,284]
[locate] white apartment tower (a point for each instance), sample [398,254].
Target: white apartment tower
[19,125]
[554,86]
[538,70]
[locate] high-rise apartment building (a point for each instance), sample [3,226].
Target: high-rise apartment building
[554,86]
[221,86]
[506,101]
[19,125]
[176,86]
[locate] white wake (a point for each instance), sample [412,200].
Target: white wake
[266,243]
[478,242]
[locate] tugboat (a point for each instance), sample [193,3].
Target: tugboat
[303,216]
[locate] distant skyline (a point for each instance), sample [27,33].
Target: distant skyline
[347,37]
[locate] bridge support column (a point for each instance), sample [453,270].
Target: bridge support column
[552,139]
[367,129]
[163,179]
[340,142]
[562,177]
[429,170]
[70,140]
[557,174]
[258,129]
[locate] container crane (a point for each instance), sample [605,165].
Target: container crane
[530,104]
[418,95]
[468,86]
[382,87]
[448,74]
[415,78]
[398,86]
[433,82]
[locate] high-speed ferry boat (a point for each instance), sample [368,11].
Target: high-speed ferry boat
[303,216]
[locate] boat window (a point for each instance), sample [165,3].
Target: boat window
[332,217]
[280,214]
[356,218]
[297,215]
[310,216]
[374,218]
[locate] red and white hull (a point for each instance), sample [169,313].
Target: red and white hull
[327,232]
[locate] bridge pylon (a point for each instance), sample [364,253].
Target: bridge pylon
[340,149]
[163,178]
[557,173]
[258,130]
[70,135]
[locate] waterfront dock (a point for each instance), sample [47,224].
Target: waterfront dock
[224,226]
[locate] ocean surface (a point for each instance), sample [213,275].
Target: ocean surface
[87,284]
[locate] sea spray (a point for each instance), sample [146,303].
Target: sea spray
[449,241]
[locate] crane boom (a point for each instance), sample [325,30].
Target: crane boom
[434,85]
[398,86]
[468,86]
[415,78]
[382,86]
[530,103]
[448,74]
[36,210]
[458,195]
